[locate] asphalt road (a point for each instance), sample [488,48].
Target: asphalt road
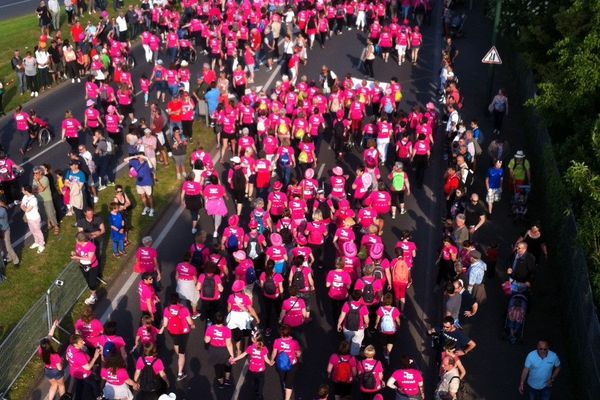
[423,217]
[16,8]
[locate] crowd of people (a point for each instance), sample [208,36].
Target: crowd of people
[280,231]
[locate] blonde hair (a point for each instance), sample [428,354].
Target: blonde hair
[317,214]
[369,351]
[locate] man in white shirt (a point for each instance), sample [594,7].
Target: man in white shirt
[122,26]
[54,9]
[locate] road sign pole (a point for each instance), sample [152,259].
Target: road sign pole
[494,36]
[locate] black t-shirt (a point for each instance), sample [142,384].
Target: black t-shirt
[473,213]
[89,227]
[466,303]
[44,15]
[457,336]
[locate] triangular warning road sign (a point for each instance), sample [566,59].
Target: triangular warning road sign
[492,57]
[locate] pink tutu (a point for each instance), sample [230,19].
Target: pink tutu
[216,207]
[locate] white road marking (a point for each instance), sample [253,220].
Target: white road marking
[321,169]
[16,3]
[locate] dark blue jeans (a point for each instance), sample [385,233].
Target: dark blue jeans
[538,394]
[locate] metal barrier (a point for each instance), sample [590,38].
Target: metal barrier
[20,345]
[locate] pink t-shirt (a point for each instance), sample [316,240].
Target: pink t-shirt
[55,359]
[145,257]
[377,287]
[362,312]
[186,271]
[395,313]
[83,250]
[278,202]
[408,381]
[339,282]
[71,127]
[218,335]
[117,378]
[408,250]
[344,235]
[21,121]
[213,192]
[146,292]
[117,341]
[380,201]
[276,253]
[217,293]
[293,308]
[256,358]
[306,273]
[316,231]
[277,279]
[147,334]
[289,346]
[89,332]
[177,310]
[239,302]
[157,367]
[77,359]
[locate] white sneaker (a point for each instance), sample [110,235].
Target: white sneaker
[215,234]
[41,249]
[101,188]
[78,80]
[95,199]
[194,231]
[72,80]
[184,175]
[90,300]
[170,154]
[151,213]
[145,210]
[134,121]
[178,176]
[110,184]
[34,246]
[37,94]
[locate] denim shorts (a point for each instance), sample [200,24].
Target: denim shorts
[52,373]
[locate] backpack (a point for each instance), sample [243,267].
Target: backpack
[353,318]
[108,349]
[387,322]
[298,279]
[398,181]
[400,273]
[342,372]
[387,107]
[197,259]
[324,208]
[285,230]
[238,180]
[340,12]
[176,325]
[284,161]
[269,287]
[477,146]
[338,129]
[149,381]
[110,146]
[250,276]
[254,250]
[208,287]
[368,378]
[198,164]
[378,271]
[368,294]
[260,221]
[283,362]
[232,242]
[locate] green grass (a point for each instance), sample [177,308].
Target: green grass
[23,33]
[27,283]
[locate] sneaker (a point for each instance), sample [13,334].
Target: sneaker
[78,80]
[134,121]
[215,234]
[227,382]
[37,94]
[101,188]
[72,80]
[41,249]
[17,202]
[403,211]
[145,210]
[110,184]
[178,176]
[151,212]
[34,246]
[91,300]
[194,231]
[96,199]
[268,332]
[195,316]
[170,154]
[181,377]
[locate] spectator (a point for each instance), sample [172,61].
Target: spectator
[476,274]
[521,266]
[30,69]
[54,8]
[18,66]
[474,214]
[29,205]
[542,366]
[447,388]
[42,189]
[8,252]
[499,109]
[53,368]
[44,18]
[519,170]
[142,171]
[93,226]
[449,332]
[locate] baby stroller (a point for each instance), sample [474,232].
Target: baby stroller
[515,317]
[457,24]
[519,203]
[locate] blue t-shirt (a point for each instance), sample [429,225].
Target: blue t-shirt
[495,177]
[540,369]
[78,176]
[144,173]
[116,220]
[212,100]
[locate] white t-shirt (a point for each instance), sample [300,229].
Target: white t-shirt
[122,23]
[31,201]
[42,58]
[452,121]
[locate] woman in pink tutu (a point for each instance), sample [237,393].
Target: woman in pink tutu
[215,196]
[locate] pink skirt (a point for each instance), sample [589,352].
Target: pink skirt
[216,207]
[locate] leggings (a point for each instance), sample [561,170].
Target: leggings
[32,83]
[258,381]
[271,306]
[72,69]
[218,219]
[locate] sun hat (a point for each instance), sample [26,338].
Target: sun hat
[89,103]
[233,220]
[430,106]
[309,173]
[252,224]
[276,239]
[277,185]
[184,63]
[239,255]
[337,171]
[367,179]
[301,240]
[238,286]
[376,251]
[235,160]
[520,154]
[350,249]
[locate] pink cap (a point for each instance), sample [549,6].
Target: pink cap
[277,185]
[233,220]
[276,239]
[252,224]
[430,106]
[104,14]
[350,249]
[238,286]
[337,171]
[239,255]
[309,173]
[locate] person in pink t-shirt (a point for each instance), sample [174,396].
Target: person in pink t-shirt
[288,345]
[271,284]
[370,365]
[338,283]
[388,322]
[258,359]
[146,259]
[293,310]
[341,377]
[146,334]
[117,380]
[88,327]
[70,129]
[209,287]
[53,368]
[241,313]
[407,381]
[178,322]
[150,358]
[85,255]
[220,349]
[80,368]
[352,321]
[316,232]
[148,297]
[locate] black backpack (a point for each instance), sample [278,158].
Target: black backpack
[198,164]
[338,129]
[353,318]
[368,294]
[208,287]
[239,180]
[298,280]
[149,381]
[324,208]
[197,259]
[254,249]
[269,287]
[368,379]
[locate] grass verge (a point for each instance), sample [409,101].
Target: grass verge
[27,283]
[23,33]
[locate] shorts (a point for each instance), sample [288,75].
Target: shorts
[399,290]
[397,197]
[52,373]
[238,334]
[227,135]
[387,339]
[179,160]
[493,195]
[342,389]
[288,378]
[147,190]
[181,342]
